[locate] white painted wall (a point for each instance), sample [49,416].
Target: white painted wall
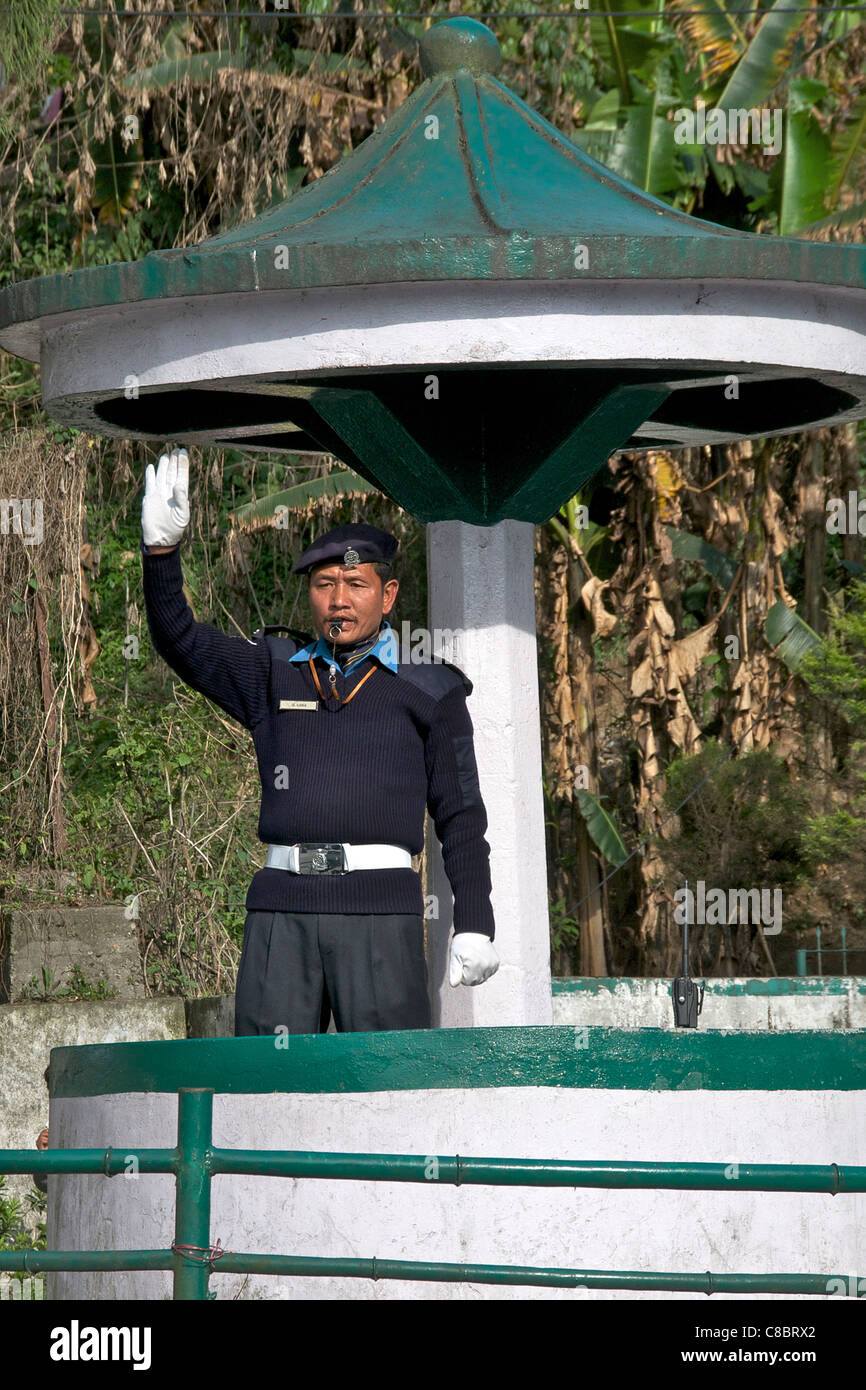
[832,1004]
[577,1228]
[28,1032]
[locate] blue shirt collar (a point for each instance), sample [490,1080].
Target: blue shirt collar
[385,650]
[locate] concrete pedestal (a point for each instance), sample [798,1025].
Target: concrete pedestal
[480,585]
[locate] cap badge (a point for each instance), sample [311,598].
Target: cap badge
[351,557]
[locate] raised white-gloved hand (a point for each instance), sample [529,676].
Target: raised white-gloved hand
[473,959]
[165,508]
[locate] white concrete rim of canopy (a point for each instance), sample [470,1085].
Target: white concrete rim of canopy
[239,339]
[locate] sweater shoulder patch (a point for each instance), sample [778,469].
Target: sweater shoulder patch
[282,648]
[436,678]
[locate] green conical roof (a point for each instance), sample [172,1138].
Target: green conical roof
[466,191]
[464,181]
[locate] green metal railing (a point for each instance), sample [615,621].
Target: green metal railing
[194,1162]
[819,952]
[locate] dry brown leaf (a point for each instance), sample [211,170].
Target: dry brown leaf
[687,654]
[604,623]
[771,507]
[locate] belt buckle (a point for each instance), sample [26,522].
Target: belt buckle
[321,859]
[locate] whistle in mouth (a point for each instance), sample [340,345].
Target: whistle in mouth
[336,628]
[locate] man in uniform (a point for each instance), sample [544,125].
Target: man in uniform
[353,743]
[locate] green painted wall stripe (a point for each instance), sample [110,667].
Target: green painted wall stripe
[793,984]
[460,1058]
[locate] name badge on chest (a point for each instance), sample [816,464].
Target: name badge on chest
[299,704]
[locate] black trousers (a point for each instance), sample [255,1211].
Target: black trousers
[298,967]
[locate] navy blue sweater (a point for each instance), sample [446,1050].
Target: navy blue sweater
[362,773]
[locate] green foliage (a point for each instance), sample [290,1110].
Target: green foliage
[564,929]
[645,74]
[48,989]
[834,667]
[28,32]
[762,64]
[610,652]
[787,631]
[339,482]
[835,671]
[800,177]
[720,687]
[830,838]
[743,826]
[688,547]
[602,827]
[44,225]
[15,1232]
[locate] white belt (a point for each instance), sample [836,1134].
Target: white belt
[354,857]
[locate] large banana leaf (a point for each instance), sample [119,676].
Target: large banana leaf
[849,217]
[333,63]
[117,178]
[193,67]
[602,828]
[800,177]
[644,150]
[790,635]
[714,30]
[685,546]
[635,139]
[848,150]
[625,41]
[763,63]
[343,482]
[605,113]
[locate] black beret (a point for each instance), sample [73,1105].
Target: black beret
[356,544]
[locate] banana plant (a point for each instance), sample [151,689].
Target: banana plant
[798,183]
[627,127]
[635,139]
[603,829]
[573,520]
[790,635]
[815,167]
[117,159]
[339,483]
[687,546]
[820,169]
[738,56]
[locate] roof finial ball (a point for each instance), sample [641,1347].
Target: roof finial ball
[460,43]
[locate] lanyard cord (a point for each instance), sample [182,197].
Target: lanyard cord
[371,672]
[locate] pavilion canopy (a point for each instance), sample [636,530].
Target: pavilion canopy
[467,310]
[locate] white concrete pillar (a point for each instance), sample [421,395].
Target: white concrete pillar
[480,585]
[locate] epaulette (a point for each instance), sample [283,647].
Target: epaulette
[437,678]
[283,648]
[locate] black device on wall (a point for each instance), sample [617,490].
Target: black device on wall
[688,996]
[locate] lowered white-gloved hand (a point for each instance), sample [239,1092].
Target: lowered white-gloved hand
[165,508]
[473,959]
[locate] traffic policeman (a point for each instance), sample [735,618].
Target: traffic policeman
[354,741]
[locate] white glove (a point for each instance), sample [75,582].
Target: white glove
[165,508]
[473,959]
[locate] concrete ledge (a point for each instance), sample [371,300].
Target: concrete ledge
[28,1032]
[830,1002]
[213,1017]
[101,941]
